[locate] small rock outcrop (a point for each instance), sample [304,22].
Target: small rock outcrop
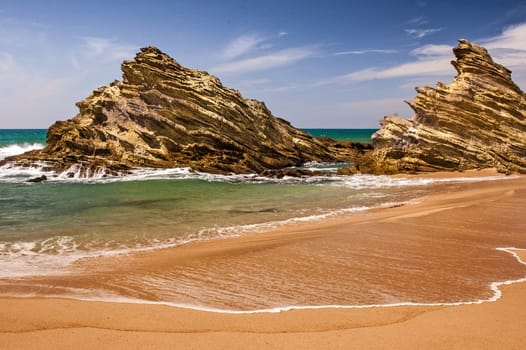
[164,115]
[477,121]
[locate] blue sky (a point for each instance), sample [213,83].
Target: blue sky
[320,64]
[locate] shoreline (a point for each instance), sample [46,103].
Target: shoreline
[39,323]
[487,213]
[494,286]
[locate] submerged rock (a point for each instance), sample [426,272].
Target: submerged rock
[165,115]
[477,121]
[38,179]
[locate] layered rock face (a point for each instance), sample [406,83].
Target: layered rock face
[164,115]
[477,121]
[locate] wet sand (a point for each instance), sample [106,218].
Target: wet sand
[70,324]
[441,250]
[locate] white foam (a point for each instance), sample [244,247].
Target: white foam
[12,173]
[14,149]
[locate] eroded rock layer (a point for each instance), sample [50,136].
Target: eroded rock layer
[165,115]
[477,121]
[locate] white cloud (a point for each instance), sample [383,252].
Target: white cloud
[419,33]
[21,85]
[283,34]
[241,46]
[418,21]
[508,49]
[513,37]
[434,67]
[432,51]
[271,60]
[431,60]
[107,49]
[362,52]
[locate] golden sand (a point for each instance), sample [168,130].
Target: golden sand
[442,249]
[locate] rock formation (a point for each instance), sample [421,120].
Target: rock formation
[165,115]
[477,121]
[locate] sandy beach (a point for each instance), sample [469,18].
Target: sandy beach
[442,249]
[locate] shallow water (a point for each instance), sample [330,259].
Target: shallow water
[86,217]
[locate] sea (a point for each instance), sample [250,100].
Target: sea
[47,227]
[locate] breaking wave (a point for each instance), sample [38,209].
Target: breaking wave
[14,149]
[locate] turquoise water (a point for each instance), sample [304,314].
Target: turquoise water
[14,136]
[350,135]
[16,141]
[22,136]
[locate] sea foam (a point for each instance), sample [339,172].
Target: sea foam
[13,173]
[14,149]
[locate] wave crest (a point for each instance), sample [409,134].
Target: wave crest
[19,148]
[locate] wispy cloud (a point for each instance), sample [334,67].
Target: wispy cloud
[430,60]
[253,82]
[420,33]
[21,84]
[274,89]
[267,61]
[241,45]
[363,52]
[106,48]
[434,67]
[508,49]
[513,37]
[418,21]
[432,51]
[18,33]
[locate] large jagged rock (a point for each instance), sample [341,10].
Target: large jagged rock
[477,121]
[165,115]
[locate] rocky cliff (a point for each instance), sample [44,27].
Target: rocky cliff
[165,115]
[477,121]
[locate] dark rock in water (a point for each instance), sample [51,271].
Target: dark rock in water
[477,121]
[343,149]
[292,172]
[38,179]
[164,115]
[348,170]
